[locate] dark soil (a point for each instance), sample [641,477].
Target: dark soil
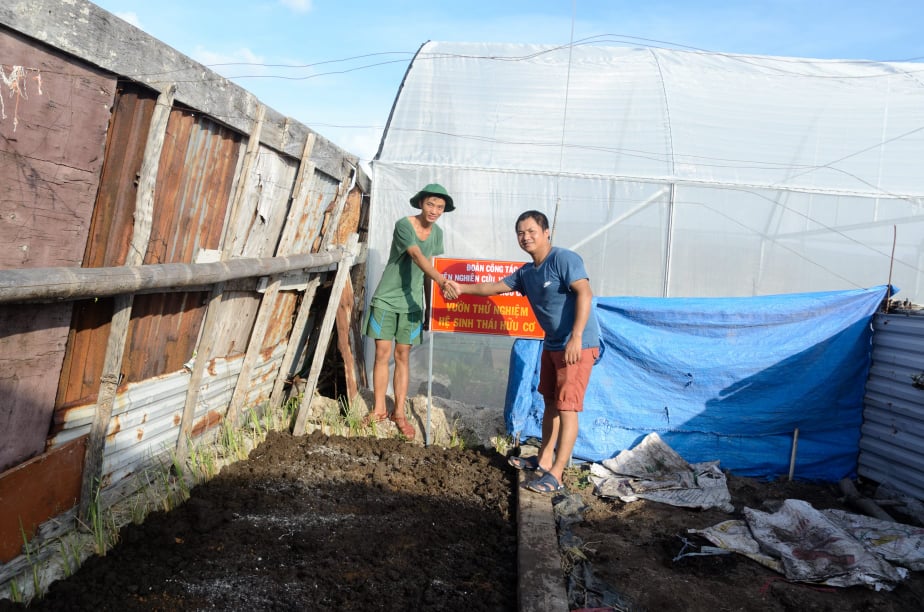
[333,523]
[631,547]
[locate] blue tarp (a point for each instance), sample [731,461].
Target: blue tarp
[721,378]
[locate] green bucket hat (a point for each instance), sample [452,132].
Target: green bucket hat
[433,189]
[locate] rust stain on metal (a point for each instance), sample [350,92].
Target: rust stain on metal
[349,218]
[139,434]
[205,423]
[115,428]
[281,319]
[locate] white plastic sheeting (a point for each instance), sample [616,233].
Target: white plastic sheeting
[673,173]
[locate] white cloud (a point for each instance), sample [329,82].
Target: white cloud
[130,17]
[239,62]
[299,6]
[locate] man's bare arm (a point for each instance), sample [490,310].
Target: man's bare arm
[483,289]
[429,271]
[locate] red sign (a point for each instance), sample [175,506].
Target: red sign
[507,314]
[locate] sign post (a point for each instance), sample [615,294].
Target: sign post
[507,314]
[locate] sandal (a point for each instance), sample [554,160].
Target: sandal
[406,429]
[525,463]
[545,484]
[373,417]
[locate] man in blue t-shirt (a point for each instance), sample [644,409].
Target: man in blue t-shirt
[558,289]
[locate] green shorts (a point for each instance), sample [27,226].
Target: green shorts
[402,327]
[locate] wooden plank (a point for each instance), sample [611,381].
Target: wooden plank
[344,317]
[303,183]
[349,336]
[229,242]
[327,326]
[304,180]
[32,350]
[254,348]
[118,330]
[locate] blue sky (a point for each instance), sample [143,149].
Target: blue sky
[335,65]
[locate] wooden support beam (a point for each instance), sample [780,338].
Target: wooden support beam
[254,347]
[327,325]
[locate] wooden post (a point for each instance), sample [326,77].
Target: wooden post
[122,309]
[254,348]
[344,317]
[327,325]
[345,307]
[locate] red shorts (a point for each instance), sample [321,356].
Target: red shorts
[565,384]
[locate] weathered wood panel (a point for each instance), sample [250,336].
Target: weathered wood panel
[31,349]
[51,151]
[52,134]
[254,232]
[263,210]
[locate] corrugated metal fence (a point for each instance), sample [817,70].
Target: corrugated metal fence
[892,440]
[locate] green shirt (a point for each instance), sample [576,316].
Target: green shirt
[401,286]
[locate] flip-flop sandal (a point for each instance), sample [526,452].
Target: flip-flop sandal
[372,417]
[525,463]
[404,427]
[545,484]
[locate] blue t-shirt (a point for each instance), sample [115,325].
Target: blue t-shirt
[548,289]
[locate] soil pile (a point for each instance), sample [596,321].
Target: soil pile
[319,523]
[334,523]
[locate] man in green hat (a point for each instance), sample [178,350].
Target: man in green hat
[395,317]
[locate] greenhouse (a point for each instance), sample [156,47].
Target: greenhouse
[674,174]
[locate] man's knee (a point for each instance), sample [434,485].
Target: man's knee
[402,353]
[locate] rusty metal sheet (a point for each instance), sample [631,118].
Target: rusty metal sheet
[107,245]
[194,186]
[37,490]
[262,213]
[146,416]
